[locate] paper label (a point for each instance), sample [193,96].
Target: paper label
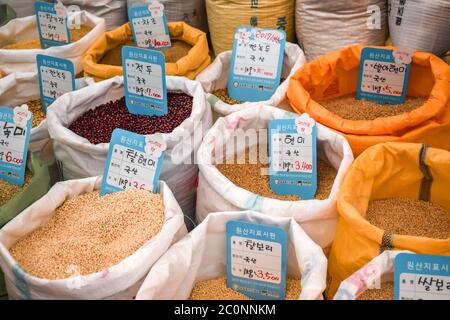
[256,260]
[256,63]
[56,77]
[381,78]
[144,75]
[421,277]
[52,24]
[132,162]
[292,150]
[15,128]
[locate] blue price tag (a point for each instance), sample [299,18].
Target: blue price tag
[15,128]
[256,260]
[383,78]
[149,28]
[256,63]
[144,74]
[292,150]
[56,77]
[52,24]
[421,277]
[133,161]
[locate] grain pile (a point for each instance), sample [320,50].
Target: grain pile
[248,176]
[410,217]
[216,289]
[348,107]
[36,108]
[9,190]
[222,94]
[89,233]
[386,292]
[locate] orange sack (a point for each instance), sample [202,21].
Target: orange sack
[336,74]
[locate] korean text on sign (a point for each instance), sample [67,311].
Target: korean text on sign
[53,29]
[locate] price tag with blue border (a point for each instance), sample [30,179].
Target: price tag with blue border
[144,76]
[56,77]
[421,277]
[133,161]
[15,128]
[256,63]
[149,26]
[383,75]
[52,23]
[256,260]
[292,150]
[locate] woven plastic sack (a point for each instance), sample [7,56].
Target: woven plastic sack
[189,66]
[24,60]
[224,16]
[412,171]
[216,193]
[201,255]
[215,77]
[78,158]
[420,24]
[328,25]
[336,74]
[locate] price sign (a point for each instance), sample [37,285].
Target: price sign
[56,77]
[421,277]
[52,24]
[15,128]
[149,26]
[256,63]
[383,75]
[134,161]
[292,149]
[256,260]
[144,75]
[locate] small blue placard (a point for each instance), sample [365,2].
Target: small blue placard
[52,24]
[421,277]
[149,31]
[256,260]
[56,77]
[130,165]
[256,63]
[144,75]
[381,79]
[292,150]
[14,140]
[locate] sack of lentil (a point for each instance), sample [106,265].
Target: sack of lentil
[233,187]
[187,57]
[76,122]
[420,24]
[392,197]
[215,77]
[73,244]
[325,88]
[195,267]
[19,42]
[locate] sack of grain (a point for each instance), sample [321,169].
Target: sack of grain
[329,25]
[325,88]
[243,187]
[187,57]
[192,12]
[79,158]
[19,42]
[114,270]
[225,16]
[201,255]
[374,281]
[420,24]
[391,198]
[214,80]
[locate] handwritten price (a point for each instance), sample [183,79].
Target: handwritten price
[11,159]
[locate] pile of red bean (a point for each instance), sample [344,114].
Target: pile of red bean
[97,125]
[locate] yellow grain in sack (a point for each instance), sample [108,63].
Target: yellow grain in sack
[386,173]
[224,16]
[187,57]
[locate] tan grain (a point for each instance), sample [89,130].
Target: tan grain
[386,292]
[9,190]
[36,108]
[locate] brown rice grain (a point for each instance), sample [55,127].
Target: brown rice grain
[386,292]
[36,108]
[9,190]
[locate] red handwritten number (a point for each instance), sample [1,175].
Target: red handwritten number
[136,185]
[9,158]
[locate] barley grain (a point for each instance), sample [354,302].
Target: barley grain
[9,190]
[386,292]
